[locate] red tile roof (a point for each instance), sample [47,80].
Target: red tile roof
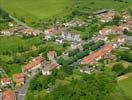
[117,38]
[9,95]
[104,30]
[51,65]
[19,81]
[18,76]
[38,58]
[29,30]
[89,59]
[117,29]
[35,61]
[51,29]
[31,65]
[52,53]
[4,80]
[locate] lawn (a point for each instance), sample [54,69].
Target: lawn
[37,9]
[126,85]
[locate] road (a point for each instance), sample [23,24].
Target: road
[22,91]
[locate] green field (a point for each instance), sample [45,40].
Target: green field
[126,85]
[42,9]
[102,4]
[37,9]
[13,44]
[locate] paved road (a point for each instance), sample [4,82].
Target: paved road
[22,91]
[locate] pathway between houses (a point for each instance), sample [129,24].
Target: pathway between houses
[22,91]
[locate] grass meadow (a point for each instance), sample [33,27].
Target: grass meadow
[42,9]
[37,9]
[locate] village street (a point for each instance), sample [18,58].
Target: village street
[23,90]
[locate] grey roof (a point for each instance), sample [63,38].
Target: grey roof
[86,68]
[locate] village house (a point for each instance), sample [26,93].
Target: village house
[118,29]
[5,32]
[101,37]
[129,24]
[19,79]
[74,23]
[86,69]
[9,95]
[104,51]
[28,31]
[96,55]
[9,31]
[49,33]
[59,40]
[5,81]
[128,40]
[125,15]
[48,37]
[118,41]
[106,16]
[10,24]
[52,55]
[105,31]
[71,36]
[48,67]
[20,28]
[75,45]
[34,66]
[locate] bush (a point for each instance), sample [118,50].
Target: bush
[119,69]
[73,52]
[128,69]
[126,32]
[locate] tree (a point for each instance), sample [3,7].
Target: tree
[68,69]
[97,45]
[39,83]
[126,32]
[116,20]
[73,52]
[128,69]
[126,55]
[90,87]
[119,69]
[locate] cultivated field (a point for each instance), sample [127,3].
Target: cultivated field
[37,9]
